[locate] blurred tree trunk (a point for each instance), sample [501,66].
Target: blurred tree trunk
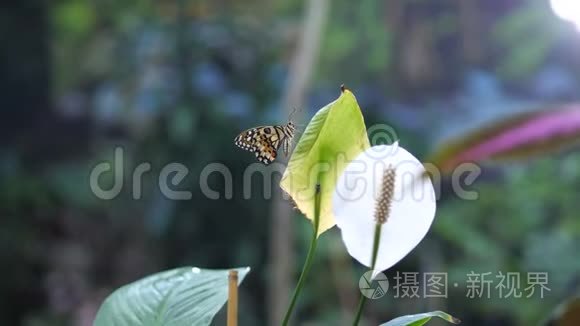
[24,64]
[28,121]
[24,89]
[281,235]
[472,41]
[394,17]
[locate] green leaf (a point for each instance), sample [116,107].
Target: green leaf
[334,136]
[530,28]
[75,18]
[421,319]
[181,296]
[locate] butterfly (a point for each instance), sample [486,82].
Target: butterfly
[265,141]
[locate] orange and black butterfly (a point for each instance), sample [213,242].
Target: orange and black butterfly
[265,141]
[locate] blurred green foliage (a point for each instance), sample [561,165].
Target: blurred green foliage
[175,81]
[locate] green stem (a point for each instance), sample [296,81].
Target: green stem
[309,257]
[363,299]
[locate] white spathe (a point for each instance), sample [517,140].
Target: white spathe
[355,198]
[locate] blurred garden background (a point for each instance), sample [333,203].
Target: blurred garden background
[177,80]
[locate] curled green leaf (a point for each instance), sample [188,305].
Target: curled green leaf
[334,136]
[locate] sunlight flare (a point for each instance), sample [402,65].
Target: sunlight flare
[568,10]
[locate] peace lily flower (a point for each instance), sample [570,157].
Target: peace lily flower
[383,189]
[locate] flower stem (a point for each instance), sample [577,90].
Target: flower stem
[363,299]
[309,257]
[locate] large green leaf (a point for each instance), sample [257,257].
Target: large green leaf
[421,319]
[182,296]
[334,136]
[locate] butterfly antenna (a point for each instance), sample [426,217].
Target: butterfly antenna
[294,110]
[291,114]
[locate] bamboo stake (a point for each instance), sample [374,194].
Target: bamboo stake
[233,298]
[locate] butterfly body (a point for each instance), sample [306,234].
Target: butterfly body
[264,141]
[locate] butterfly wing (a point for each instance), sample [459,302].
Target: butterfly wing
[247,139]
[265,152]
[262,141]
